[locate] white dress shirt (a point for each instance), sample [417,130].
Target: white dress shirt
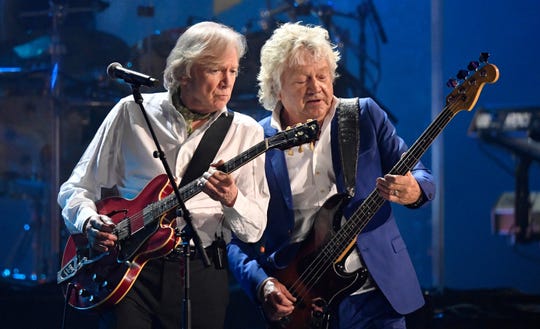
[121,155]
[311,176]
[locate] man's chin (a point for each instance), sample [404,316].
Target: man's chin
[221,102]
[316,109]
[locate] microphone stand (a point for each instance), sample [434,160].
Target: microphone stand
[188,232]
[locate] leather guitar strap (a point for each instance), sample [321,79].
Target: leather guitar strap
[349,140]
[207,148]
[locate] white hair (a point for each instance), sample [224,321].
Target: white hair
[284,49]
[201,43]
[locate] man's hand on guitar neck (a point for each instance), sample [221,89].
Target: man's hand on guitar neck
[404,190]
[277,301]
[98,230]
[220,186]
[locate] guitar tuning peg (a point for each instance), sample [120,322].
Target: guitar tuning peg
[462,74]
[483,57]
[473,65]
[452,83]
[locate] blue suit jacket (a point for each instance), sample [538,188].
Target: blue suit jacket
[380,243]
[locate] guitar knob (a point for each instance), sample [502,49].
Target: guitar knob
[83,292]
[97,278]
[473,66]
[462,74]
[86,295]
[100,281]
[483,57]
[452,83]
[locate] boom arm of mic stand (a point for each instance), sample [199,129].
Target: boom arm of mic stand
[191,231]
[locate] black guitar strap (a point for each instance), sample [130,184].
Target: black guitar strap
[349,140]
[207,148]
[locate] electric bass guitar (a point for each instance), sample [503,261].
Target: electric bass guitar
[145,229]
[317,276]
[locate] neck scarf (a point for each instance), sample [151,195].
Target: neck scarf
[188,115]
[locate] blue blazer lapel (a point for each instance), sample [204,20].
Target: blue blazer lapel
[276,162]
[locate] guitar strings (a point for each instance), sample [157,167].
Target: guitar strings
[351,228]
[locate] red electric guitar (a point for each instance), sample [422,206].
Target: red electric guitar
[145,230]
[317,275]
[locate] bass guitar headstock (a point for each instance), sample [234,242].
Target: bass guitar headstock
[469,84]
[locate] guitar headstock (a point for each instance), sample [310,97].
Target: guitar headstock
[469,84]
[295,136]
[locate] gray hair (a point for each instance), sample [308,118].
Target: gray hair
[284,49]
[201,43]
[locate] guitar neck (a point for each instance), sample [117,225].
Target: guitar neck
[463,97]
[194,187]
[298,135]
[374,201]
[417,150]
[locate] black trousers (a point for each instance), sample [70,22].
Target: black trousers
[156,299]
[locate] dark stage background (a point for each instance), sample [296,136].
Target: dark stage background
[475,248]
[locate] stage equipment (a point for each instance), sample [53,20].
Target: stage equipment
[26,253]
[365,83]
[150,54]
[49,96]
[518,132]
[504,221]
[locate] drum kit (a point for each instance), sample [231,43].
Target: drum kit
[54,90]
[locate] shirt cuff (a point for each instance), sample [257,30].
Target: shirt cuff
[260,289]
[421,200]
[82,218]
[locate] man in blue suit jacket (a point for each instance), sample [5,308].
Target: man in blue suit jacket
[296,83]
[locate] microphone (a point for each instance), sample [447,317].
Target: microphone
[116,71]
